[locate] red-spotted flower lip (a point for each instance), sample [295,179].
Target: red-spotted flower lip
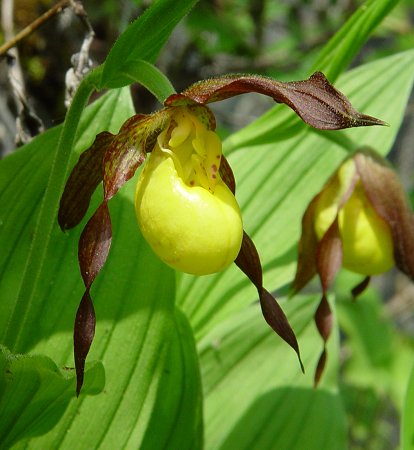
[113,159]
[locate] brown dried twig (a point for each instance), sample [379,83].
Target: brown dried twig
[56,9]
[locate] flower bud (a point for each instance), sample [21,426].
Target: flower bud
[185,211]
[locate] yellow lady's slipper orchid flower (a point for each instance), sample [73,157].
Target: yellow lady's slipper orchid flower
[367,246]
[185,200]
[185,211]
[361,220]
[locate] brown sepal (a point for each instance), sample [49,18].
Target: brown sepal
[323,321]
[82,182]
[315,100]
[129,147]
[328,261]
[320,367]
[360,288]
[123,154]
[94,244]
[308,243]
[249,262]
[227,175]
[384,191]
[83,333]
[329,255]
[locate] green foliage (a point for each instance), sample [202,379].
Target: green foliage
[34,394]
[150,77]
[189,360]
[347,42]
[256,396]
[148,34]
[407,434]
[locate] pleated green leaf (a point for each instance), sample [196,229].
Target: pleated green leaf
[407,429]
[381,355]
[139,339]
[255,394]
[34,394]
[179,396]
[346,43]
[143,39]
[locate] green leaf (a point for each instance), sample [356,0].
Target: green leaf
[143,39]
[179,396]
[34,266]
[34,394]
[347,42]
[22,186]
[374,85]
[150,77]
[381,356]
[255,394]
[134,303]
[407,429]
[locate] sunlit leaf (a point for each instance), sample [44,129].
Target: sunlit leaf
[179,396]
[346,43]
[134,303]
[407,430]
[256,396]
[381,357]
[143,40]
[34,394]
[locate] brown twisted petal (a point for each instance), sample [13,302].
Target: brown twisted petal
[360,288]
[249,262]
[323,321]
[308,243]
[117,157]
[93,250]
[227,175]
[315,100]
[329,255]
[328,261]
[83,334]
[94,244]
[82,182]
